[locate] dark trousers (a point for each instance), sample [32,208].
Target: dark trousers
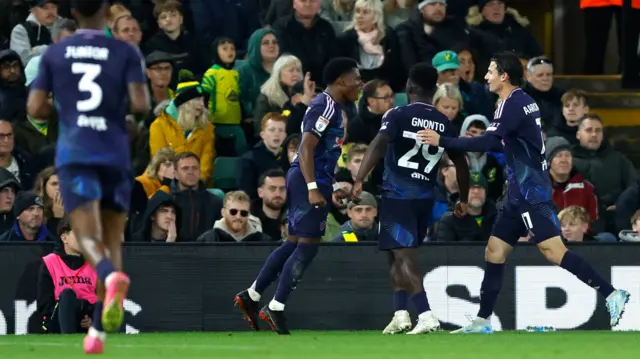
[597,22]
[68,314]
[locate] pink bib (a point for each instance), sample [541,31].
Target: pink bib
[82,281]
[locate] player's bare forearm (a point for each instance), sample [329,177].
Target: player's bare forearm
[38,105]
[462,173]
[375,151]
[139,99]
[484,143]
[308,144]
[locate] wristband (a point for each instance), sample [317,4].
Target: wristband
[336,186]
[312,186]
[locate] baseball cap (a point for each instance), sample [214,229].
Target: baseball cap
[366,199]
[445,60]
[477,179]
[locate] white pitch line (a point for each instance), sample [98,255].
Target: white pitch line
[115,345]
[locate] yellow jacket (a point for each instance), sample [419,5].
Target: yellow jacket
[165,132]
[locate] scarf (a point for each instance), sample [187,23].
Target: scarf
[368,43]
[41,127]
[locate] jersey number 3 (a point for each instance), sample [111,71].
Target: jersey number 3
[87,83]
[432,159]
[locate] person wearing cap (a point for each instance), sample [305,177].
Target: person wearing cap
[160,72]
[477,224]
[9,186]
[429,31]
[362,224]
[28,211]
[32,37]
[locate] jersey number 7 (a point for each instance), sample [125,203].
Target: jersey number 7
[432,159]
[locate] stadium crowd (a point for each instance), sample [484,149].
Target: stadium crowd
[230,87]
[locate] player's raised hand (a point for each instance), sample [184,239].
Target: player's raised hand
[316,198]
[356,190]
[429,137]
[461,209]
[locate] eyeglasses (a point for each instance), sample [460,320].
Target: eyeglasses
[234,212]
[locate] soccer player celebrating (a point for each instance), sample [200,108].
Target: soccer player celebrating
[410,177]
[309,190]
[516,130]
[90,76]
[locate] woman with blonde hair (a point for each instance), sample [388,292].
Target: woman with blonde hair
[448,100]
[159,173]
[47,187]
[275,92]
[184,126]
[373,45]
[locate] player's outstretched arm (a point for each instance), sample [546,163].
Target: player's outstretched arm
[38,105]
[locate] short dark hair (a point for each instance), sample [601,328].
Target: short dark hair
[64,227]
[478,124]
[369,89]
[507,62]
[424,78]
[63,25]
[336,68]
[166,6]
[87,7]
[590,116]
[272,173]
[185,155]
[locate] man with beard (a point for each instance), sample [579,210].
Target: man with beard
[13,92]
[237,224]
[29,225]
[476,225]
[270,207]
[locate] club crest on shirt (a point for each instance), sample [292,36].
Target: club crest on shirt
[321,124]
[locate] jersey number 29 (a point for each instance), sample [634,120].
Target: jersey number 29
[432,159]
[87,83]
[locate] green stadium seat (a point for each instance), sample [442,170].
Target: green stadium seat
[224,176]
[226,133]
[401,99]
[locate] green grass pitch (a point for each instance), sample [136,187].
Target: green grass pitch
[351,345]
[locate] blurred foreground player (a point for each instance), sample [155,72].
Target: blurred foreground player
[90,76]
[409,181]
[310,186]
[529,210]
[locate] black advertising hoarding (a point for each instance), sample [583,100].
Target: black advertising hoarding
[190,287]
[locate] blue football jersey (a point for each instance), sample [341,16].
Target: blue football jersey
[324,120]
[89,74]
[411,168]
[518,122]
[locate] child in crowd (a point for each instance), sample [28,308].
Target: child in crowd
[222,84]
[575,224]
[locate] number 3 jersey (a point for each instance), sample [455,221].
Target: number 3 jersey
[88,74]
[411,168]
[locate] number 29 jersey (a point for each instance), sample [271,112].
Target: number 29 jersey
[89,74]
[411,168]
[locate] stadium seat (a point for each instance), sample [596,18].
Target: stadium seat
[401,99]
[224,177]
[216,191]
[230,134]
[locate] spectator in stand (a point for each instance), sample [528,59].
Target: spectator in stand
[60,30]
[308,37]
[28,211]
[9,186]
[66,287]
[270,207]
[499,28]
[569,186]
[184,127]
[627,204]
[540,86]
[337,209]
[338,12]
[448,100]
[237,224]
[575,224]
[127,28]
[116,11]
[429,31]
[487,163]
[274,93]
[13,159]
[266,155]
[397,11]
[467,71]
[290,145]
[632,235]
[477,224]
[160,221]
[277,9]
[12,13]
[445,194]
[47,187]
[185,49]
[32,37]
[377,98]
[610,172]
[574,107]
[13,92]
[160,172]
[160,69]
[301,94]
[374,46]
[222,85]
[198,207]
[263,51]
[361,226]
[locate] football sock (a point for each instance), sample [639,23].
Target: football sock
[491,284]
[400,300]
[104,268]
[420,302]
[294,269]
[96,320]
[273,266]
[575,264]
